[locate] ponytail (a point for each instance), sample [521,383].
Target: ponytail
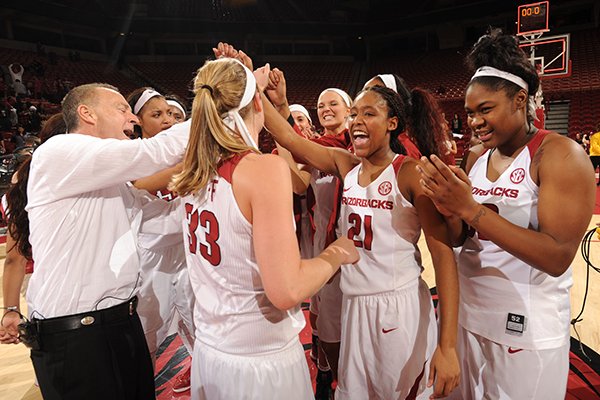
[218,88]
[425,123]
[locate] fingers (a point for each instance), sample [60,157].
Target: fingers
[431,375]
[245,59]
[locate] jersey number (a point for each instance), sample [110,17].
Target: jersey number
[356,223]
[471,231]
[209,249]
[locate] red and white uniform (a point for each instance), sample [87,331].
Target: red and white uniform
[238,330]
[507,302]
[388,326]
[166,292]
[326,189]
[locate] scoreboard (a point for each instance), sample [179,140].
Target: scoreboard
[532,18]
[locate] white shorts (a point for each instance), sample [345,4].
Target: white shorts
[223,376]
[163,298]
[387,341]
[329,321]
[490,370]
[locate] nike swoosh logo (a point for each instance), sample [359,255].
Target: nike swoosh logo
[388,330]
[513,351]
[345,190]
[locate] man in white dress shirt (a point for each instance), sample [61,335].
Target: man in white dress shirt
[84,220]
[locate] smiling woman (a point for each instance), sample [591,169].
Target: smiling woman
[514,266]
[383,209]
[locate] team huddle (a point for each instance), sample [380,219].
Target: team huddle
[191,222]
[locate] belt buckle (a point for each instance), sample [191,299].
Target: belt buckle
[88,320]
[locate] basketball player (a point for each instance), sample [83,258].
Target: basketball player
[520,230]
[384,353]
[333,107]
[424,134]
[177,107]
[242,252]
[166,293]
[153,111]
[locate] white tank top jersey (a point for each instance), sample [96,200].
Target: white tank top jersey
[323,186]
[385,229]
[502,298]
[232,313]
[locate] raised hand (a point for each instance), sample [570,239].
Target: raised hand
[262,76]
[277,90]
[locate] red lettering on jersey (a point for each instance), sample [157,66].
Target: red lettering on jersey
[368,203]
[213,188]
[496,191]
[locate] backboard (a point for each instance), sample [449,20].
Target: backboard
[550,55]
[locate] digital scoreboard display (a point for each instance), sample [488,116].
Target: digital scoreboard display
[532,18]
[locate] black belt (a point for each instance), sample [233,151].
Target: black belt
[87,319]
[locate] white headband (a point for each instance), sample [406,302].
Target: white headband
[389,81]
[179,106]
[342,94]
[302,109]
[146,95]
[491,71]
[233,117]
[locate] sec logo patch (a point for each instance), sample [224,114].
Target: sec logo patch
[385,188]
[517,175]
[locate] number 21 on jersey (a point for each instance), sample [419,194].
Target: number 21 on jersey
[208,246]
[356,227]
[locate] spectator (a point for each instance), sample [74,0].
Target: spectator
[456,125]
[16,72]
[20,89]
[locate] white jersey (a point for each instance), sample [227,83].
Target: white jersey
[385,229]
[84,217]
[323,186]
[502,298]
[232,313]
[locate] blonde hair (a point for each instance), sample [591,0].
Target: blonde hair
[218,87]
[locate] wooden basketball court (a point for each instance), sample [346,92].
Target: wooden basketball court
[17,377]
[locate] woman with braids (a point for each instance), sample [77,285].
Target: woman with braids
[424,134]
[519,228]
[18,262]
[389,348]
[242,254]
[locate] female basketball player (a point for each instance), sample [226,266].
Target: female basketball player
[166,293]
[424,134]
[520,229]
[177,108]
[152,110]
[388,326]
[333,107]
[242,253]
